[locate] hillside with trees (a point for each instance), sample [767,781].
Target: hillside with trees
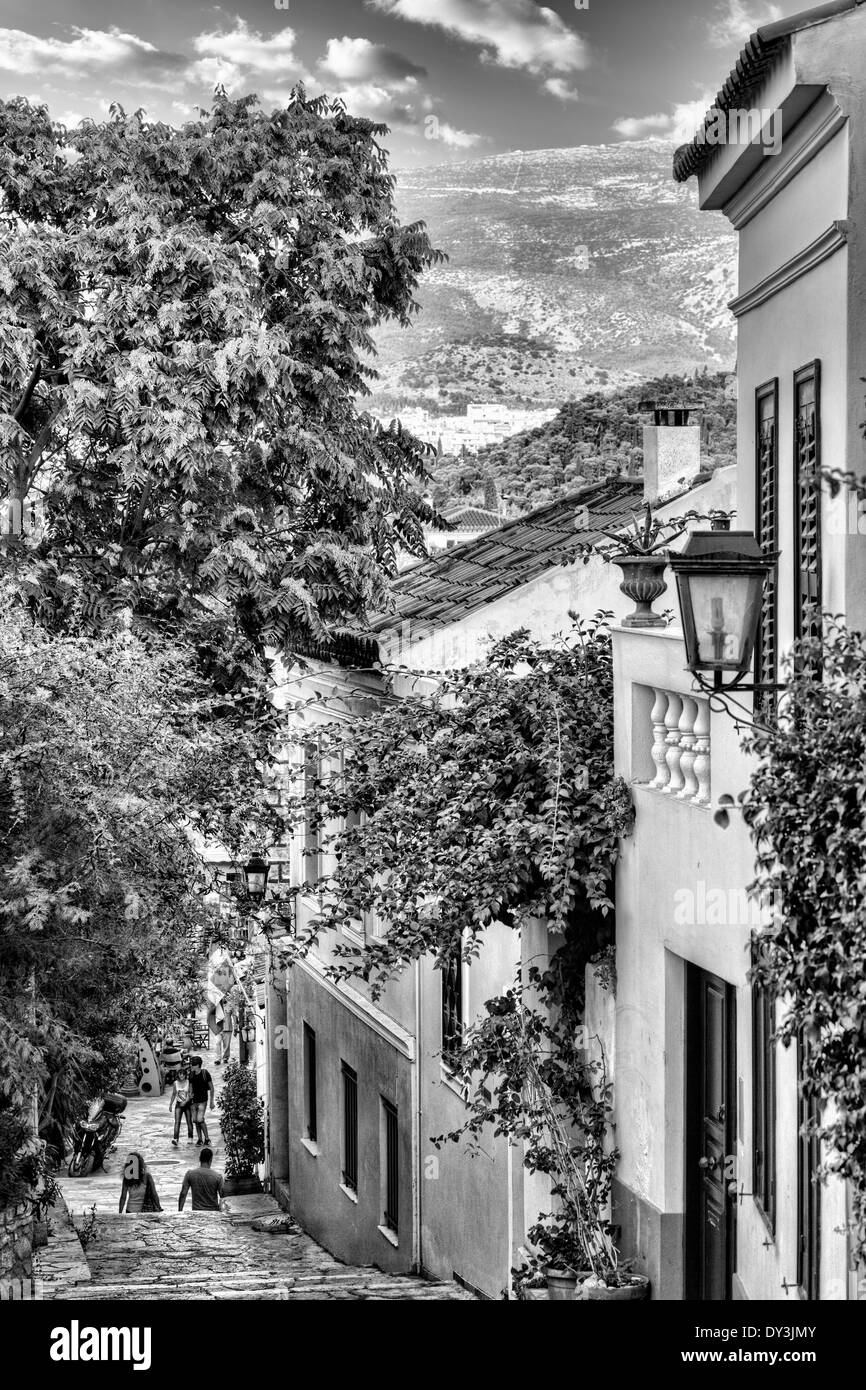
[593,437]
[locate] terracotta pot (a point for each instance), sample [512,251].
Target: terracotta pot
[626,1293]
[643,581]
[241,1187]
[560,1284]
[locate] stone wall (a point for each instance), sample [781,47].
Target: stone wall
[16,1251]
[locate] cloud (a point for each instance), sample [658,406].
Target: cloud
[678,125]
[359,60]
[559,88]
[89,53]
[510,33]
[735,20]
[458,139]
[241,57]
[68,118]
[378,104]
[383,85]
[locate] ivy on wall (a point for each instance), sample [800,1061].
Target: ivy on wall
[493,800]
[806,808]
[490,799]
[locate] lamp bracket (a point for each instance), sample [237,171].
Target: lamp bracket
[720,687]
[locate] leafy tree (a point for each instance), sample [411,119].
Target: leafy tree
[184,319]
[114,762]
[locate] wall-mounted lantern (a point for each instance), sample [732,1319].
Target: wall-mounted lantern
[720,578]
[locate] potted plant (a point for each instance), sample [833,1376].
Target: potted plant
[570,1132]
[243,1130]
[641,551]
[555,1101]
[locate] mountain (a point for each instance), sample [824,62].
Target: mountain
[569,270]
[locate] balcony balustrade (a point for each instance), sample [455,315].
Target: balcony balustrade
[681,746]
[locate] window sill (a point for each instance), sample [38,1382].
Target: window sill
[449,1079]
[390,1236]
[311,1147]
[352,1196]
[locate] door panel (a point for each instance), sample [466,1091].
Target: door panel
[710,1135]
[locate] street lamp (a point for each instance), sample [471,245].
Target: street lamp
[256,872]
[720,578]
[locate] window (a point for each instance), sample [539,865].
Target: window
[764,1103]
[350,1127]
[808,1196]
[807,497]
[452,1005]
[392,1166]
[310,1101]
[767,529]
[312,834]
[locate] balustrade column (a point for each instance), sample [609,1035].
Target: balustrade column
[659,751]
[672,741]
[701,766]
[687,744]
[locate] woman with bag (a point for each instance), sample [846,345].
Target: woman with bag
[181,1103]
[138,1190]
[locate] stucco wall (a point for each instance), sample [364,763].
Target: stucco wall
[466,1203]
[348,1228]
[671,867]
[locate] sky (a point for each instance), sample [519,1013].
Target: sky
[454,79]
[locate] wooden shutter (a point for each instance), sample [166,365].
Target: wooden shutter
[807,497]
[767,531]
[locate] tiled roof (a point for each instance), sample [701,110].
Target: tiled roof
[748,73]
[471,519]
[444,589]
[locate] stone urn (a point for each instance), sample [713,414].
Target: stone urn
[643,581]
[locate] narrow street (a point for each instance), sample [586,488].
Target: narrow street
[174,1255]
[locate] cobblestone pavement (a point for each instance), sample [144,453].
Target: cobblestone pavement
[147,1128]
[173,1255]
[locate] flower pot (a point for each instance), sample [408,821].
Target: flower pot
[635,1291]
[643,581]
[241,1187]
[560,1283]
[534,1295]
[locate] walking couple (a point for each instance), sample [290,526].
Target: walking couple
[189,1098]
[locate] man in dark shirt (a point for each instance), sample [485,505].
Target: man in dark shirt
[200,1089]
[205,1183]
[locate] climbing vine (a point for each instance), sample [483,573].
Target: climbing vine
[491,798]
[806,807]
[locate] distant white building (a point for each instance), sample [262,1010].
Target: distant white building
[485,422]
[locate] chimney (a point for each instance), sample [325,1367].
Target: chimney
[671,450]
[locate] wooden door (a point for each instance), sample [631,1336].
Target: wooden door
[710,1135]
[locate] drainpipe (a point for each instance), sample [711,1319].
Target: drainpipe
[417,1175]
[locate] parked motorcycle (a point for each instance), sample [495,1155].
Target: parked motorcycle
[96,1136]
